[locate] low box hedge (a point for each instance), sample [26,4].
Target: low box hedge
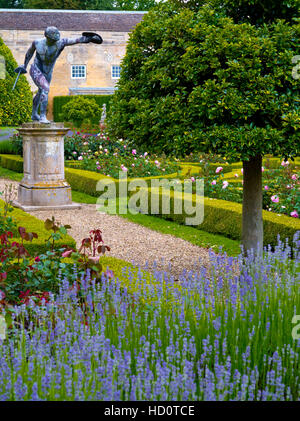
[12,162]
[32,224]
[225,218]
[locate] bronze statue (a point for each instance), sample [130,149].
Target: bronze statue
[47,51]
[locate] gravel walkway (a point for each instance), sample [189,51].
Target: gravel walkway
[129,241]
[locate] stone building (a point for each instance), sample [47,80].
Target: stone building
[81,68]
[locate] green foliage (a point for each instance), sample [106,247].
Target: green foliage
[60,101]
[253,11]
[15,106]
[80,109]
[88,4]
[196,81]
[11,4]
[52,4]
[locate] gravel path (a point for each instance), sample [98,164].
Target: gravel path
[129,241]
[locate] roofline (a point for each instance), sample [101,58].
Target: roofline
[73,11]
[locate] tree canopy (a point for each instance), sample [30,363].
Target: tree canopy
[194,80]
[251,11]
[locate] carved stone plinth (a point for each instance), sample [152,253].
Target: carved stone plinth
[44,186]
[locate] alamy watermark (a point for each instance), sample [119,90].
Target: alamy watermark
[296,69]
[154,196]
[2,328]
[296,329]
[2,67]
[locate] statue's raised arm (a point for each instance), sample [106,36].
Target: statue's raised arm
[47,51]
[84,39]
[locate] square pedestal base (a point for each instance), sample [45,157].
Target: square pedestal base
[29,208]
[51,198]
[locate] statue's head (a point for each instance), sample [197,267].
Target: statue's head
[52,33]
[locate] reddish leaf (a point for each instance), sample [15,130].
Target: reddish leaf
[22,232]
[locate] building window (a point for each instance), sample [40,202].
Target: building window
[78,71]
[115,72]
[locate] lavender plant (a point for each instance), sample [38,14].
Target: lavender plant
[228,336]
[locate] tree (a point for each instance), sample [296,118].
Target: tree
[15,106]
[194,80]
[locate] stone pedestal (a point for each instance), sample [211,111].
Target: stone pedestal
[44,186]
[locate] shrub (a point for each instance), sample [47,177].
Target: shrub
[15,106]
[80,109]
[60,101]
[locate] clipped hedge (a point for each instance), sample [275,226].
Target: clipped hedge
[60,101]
[32,224]
[12,162]
[197,166]
[225,218]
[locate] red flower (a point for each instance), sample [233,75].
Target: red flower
[37,259]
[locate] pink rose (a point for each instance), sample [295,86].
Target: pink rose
[225,184]
[285,163]
[193,179]
[294,177]
[133,151]
[266,187]
[275,198]
[214,182]
[294,214]
[219,169]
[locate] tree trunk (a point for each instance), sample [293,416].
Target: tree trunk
[252,229]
